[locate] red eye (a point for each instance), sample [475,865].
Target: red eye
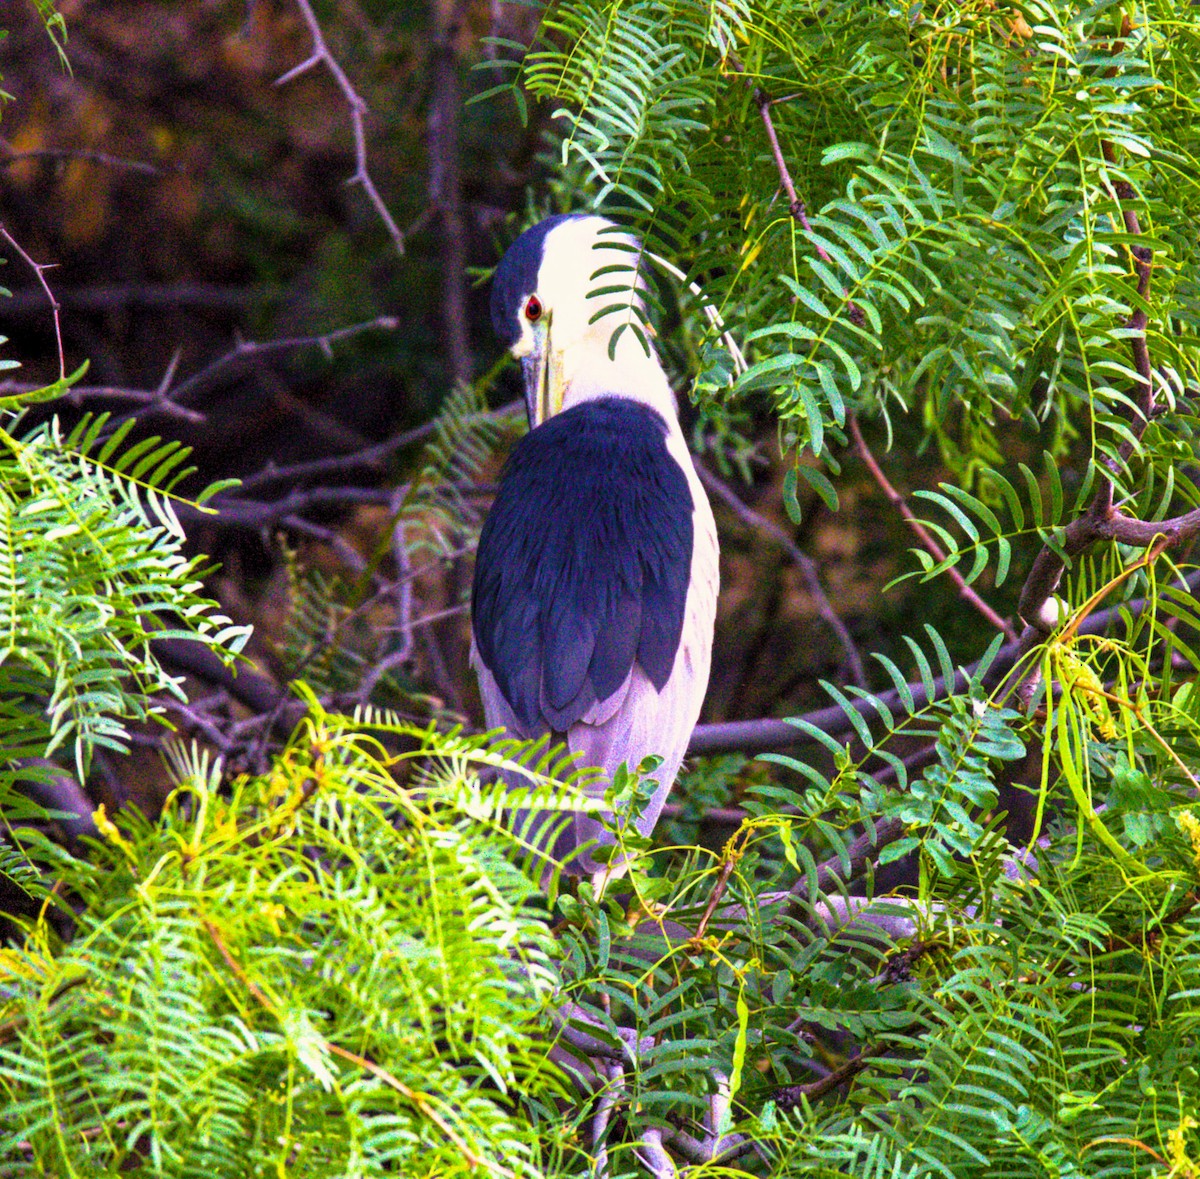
[533,309]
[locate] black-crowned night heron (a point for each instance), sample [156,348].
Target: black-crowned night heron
[596,575]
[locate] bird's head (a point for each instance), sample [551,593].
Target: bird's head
[560,294]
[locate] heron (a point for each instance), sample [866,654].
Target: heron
[596,576]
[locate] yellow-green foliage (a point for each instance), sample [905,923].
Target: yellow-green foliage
[314,972]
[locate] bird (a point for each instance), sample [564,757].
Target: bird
[596,575]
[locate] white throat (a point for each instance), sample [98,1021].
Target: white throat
[589,371]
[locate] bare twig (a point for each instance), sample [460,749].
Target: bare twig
[729,860]
[628,1049]
[789,1096]
[928,542]
[370,456]
[69,153]
[152,401]
[358,108]
[256,692]
[246,351]
[803,562]
[39,270]
[764,102]
[403,583]
[257,514]
[350,556]
[194,714]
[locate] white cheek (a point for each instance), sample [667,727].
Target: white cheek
[524,346]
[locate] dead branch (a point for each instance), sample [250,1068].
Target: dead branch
[71,153]
[358,108]
[39,271]
[151,400]
[368,457]
[246,352]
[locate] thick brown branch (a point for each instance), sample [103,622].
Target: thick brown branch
[1100,522]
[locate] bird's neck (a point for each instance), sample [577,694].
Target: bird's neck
[590,372]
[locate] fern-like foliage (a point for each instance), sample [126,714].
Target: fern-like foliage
[91,572]
[968,172]
[337,968]
[436,508]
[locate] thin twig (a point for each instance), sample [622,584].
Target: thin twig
[358,109]
[420,1100]
[150,399]
[258,514]
[246,350]
[796,208]
[730,857]
[370,456]
[790,1096]
[803,562]
[928,542]
[39,270]
[350,556]
[67,153]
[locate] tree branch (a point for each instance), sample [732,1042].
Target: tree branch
[770,733]
[930,544]
[69,153]
[246,351]
[39,270]
[370,456]
[152,401]
[764,102]
[358,109]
